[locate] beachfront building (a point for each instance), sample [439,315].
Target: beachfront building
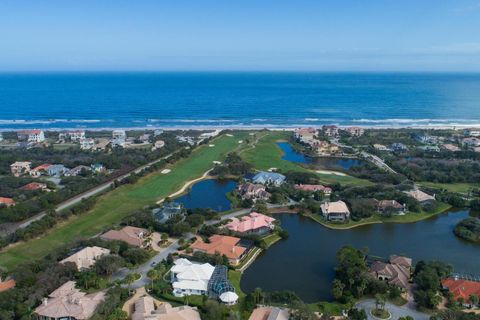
[231,247]
[190,278]
[86,257]
[6,202]
[145,309]
[1,137]
[314,188]
[76,135]
[396,271]
[330,131]
[420,196]
[137,237]
[335,211]
[472,132]
[462,290]
[19,168]
[87,143]
[269,178]
[305,135]
[34,186]
[119,138]
[68,302]
[270,313]
[252,191]
[35,136]
[168,211]
[254,223]
[354,131]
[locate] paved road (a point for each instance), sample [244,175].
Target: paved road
[396,312]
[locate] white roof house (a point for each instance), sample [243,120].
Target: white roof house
[86,257]
[190,278]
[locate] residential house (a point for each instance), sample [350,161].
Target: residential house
[86,257]
[56,170]
[19,168]
[396,271]
[6,284]
[462,289]
[398,147]
[380,147]
[254,223]
[314,188]
[269,178]
[77,170]
[33,186]
[390,206]
[101,144]
[222,245]
[68,302]
[472,132]
[186,139]
[190,278]
[427,139]
[87,143]
[157,132]
[158,145]
[420,196]
[330,131]
[145,309]
[207,135]
[98,168]
[322,147]
[137,237]
[39,170]
[450,147]
[471,142]
[119,138]
[168,211]
[354,131]
[7,202]
[144,137]
[335,211]
[305,135]
[35,136]
[429,148]
[253,192]
[270,313]
[76,135]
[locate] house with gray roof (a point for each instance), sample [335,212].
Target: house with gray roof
[269,178]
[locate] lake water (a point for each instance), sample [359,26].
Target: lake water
[293,155]
[338,163]
[304,263]
[210,193]
[258,99]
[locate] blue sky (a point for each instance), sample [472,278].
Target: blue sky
[336,35]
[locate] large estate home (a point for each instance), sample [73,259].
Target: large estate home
[222,245]
[305,135]
[396,271]
[20,167]
[35,136]
[314,188]
[420,196]
[269,178]
[254,223]
[86,257]
[389,206]
[145,309]
[137,237]
[462,290]
[253,192]
[168,211]
[68,302]
[330,130]
[190,278]
[335,211]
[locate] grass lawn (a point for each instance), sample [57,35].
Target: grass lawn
[119,203]
[452,187]
[271,239]
[267,154]
[235,277]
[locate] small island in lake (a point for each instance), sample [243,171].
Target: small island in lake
[468,229]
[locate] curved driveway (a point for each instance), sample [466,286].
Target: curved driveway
[396,311]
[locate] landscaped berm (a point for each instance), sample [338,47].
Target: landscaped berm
[119,203]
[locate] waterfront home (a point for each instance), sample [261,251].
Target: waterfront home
[6,284]
[325,148]
[168,211]
[87,143]
[330,131]
[145,309]
[472,132]
[77,170]
[186,139]
[270,313]
[304,135]
[35,136]
[420,196]
[86,257]
[222,245]
[6,202]
[76,135]
[380,147]
[56,170]
[190,278]
[354,131]
[427,139]
[462,289]
[254,223]
[390,206]
[137,237]
[335,211]
[157,132]
[33,186]
[253,192]
[269,178]
[398,147]
[19,168]
[314,188]
[158,145]
[68,302]
[119,138]
[396,271]
[207,135]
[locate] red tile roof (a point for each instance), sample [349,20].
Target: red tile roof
[6,285]
[223,245]
[7,201]
[33,186]
[42,167]
[462,288]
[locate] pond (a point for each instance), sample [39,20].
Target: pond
[293,155]
[210,193]
[338,163]
[304,263]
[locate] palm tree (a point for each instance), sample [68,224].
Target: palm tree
[154,275]
[129,279]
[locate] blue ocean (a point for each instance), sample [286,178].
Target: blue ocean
[250,99]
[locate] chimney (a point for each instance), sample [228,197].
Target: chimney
[45,301]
